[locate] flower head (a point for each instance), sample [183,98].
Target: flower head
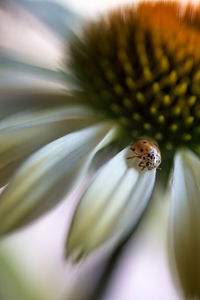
[143,63]
[136,73]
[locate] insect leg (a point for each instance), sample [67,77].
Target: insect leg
[138,156]
[142,165]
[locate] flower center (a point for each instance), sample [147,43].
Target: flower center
[142,66]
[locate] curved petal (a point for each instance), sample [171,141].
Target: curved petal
[23,133]
[57,17]
[12,102]
[9,62]
[15,81]
[49,174]
[111,206]
[29,118]
[185,221]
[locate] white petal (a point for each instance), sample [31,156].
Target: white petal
[11,62]
[57,17]
[32,118]
[111,206]
[49,173]
[23,133]
[18,81]
[18,75]
[13,102]
[185,221]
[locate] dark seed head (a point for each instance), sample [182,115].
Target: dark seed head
[141,66]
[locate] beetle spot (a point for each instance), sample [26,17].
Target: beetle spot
[141,150]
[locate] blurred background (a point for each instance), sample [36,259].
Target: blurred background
[32,264]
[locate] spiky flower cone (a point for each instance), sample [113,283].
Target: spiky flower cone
[142,66]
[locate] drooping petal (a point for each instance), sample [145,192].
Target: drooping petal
[185,222]
[29,118]
[13,101]
[17,73]
[49,174]
[23,133]
[111,206]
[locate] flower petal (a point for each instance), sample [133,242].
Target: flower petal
[111,206]
[48,174]
[29,118]
[185,221]
[12,101]
[23,133]
[18,74]
[57,17]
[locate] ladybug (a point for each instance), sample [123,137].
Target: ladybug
[148,152]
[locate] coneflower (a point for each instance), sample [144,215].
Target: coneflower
[136,75]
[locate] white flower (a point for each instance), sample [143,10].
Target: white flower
[132,74]
[185,222]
